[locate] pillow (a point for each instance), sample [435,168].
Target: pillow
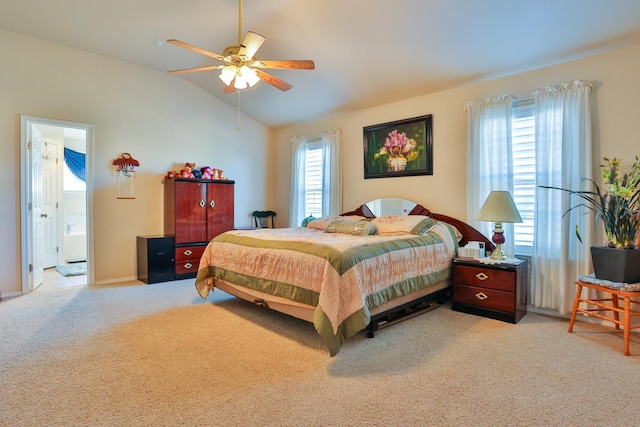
[389,225]
[424,226]
[457,232]
[357,228]
[307,220]
[321,223]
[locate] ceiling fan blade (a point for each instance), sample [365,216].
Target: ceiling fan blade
[195,49]
[231,88]
[193,70]
[250,45]
[272,80]
[296,64]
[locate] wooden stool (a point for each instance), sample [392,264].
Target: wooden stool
[617,293]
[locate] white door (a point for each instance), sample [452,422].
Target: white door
[50,246]
[34,199]
[37,252]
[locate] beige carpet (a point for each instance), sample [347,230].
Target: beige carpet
[157,355]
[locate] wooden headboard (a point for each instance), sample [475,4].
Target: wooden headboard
[469,234]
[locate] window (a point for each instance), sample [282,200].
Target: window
[70,181]
[316,186]
[524,175]
[313,179]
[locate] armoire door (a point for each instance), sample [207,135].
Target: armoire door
[190,212]
[219,209]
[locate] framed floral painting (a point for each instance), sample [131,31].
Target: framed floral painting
[400,148]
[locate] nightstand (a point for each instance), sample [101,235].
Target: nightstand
[155,259]
[498,291]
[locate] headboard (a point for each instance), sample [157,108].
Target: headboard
[469,234]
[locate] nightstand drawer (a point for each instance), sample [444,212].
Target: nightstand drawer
[484,277]
[483,297]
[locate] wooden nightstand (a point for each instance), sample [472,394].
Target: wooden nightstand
[497,291]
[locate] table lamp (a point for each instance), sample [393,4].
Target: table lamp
[499,207]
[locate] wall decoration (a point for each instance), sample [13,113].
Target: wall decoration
[126,184]
[125,162]
[126,176]
[400,148]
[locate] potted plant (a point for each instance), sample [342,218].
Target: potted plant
[617,206]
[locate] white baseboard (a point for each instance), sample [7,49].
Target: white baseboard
[118,280]
[579,317]
[6,295]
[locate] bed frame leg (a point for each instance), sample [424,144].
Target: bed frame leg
[371,328]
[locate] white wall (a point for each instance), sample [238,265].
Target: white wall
[616,96]
[161,119]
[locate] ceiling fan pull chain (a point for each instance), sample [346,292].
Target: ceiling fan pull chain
[238,111]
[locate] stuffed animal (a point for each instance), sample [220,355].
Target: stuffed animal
[197,173]
[186,172]
[215,174]
[220,177]
[207,172]
[171,174]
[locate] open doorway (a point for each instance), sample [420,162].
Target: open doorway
[56,203]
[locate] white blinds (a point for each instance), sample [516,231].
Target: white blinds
[313,179]
[524,174]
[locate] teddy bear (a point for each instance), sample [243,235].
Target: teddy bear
[207,172]
[171,174]
[220,176]
[186,172]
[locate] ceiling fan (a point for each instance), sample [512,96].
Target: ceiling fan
[240,68]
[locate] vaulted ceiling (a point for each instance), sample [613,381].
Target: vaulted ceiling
[366,52]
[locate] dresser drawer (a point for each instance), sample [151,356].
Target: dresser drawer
[485,298]
[185,253]
[485,277]
[187,266]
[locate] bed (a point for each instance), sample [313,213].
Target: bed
[344,274]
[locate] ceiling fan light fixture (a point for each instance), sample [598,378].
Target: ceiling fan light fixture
[249,75]
[227,74]
[240,82]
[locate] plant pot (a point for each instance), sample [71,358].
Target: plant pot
[616,265]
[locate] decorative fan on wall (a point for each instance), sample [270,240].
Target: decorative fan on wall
[240,68]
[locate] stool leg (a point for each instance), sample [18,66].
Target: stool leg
[576,301]
[627,324]
[614,302]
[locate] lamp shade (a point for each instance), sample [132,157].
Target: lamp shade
[499,207]
[227,74]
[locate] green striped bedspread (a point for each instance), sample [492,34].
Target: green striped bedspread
[343,276]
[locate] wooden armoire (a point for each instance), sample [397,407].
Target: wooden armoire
[195,211]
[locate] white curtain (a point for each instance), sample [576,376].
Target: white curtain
[297,195]
[332,173]
[489,159]
[331,176]
[563,159]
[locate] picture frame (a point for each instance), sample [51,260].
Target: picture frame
[399,148]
